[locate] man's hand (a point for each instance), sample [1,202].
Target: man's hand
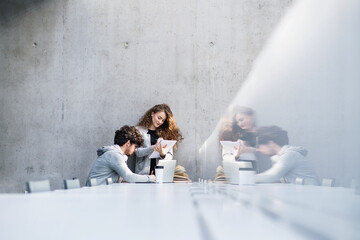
[152,178]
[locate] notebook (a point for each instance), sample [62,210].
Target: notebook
[168,143]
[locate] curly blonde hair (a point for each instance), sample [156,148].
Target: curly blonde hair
[169,129]
[229,129]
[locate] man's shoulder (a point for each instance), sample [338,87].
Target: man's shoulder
[292,156]
[287,149]
[292,153]
[114,153]
[113,158]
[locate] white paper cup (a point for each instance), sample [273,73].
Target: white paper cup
[246,176]
[159,173]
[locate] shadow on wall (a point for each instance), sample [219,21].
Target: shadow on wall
[10,10]
[306,81]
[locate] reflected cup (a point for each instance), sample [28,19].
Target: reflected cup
[246,176]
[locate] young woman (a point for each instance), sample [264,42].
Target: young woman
[242,128]
[157,123]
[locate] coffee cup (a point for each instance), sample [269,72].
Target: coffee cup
[159,173]
[246,176]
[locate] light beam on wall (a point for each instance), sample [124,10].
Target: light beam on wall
[307,81]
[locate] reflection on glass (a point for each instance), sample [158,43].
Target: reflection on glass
[290,162]
[239,127]
[306,81]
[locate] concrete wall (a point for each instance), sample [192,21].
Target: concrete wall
[72,72]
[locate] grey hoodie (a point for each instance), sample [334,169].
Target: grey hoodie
[290,163]
[111,163]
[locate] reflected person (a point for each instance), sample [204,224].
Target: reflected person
[111,161]
[242,127]
[289,162]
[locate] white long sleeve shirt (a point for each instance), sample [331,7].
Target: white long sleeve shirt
[290,163]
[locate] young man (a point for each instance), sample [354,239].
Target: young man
[111,161]
[289,162]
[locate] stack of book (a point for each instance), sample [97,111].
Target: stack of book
[220,175]
[180,174]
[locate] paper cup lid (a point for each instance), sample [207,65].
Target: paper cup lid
[246,169]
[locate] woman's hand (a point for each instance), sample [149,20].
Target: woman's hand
[242,149]
[159,148]
[239,150]
[155,146]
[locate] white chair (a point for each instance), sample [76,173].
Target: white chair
[299,181]
[71,183]
[37,186]
[328,182]
[355,183]
[93,182]
[109,181]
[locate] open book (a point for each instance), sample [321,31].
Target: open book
[168,143]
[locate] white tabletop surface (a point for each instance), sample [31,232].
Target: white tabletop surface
[122,211]
[183,211]
[279,211]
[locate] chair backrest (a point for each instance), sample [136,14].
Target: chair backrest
[328,182]
[37,186]
[299,181]
[71,183]
[355,183]
[109,181]
[93,182]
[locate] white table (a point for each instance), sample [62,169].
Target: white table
[279,211]
[183,211]
[118,211]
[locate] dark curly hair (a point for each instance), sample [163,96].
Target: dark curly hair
[127,133]
[169,129]
[272,133]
